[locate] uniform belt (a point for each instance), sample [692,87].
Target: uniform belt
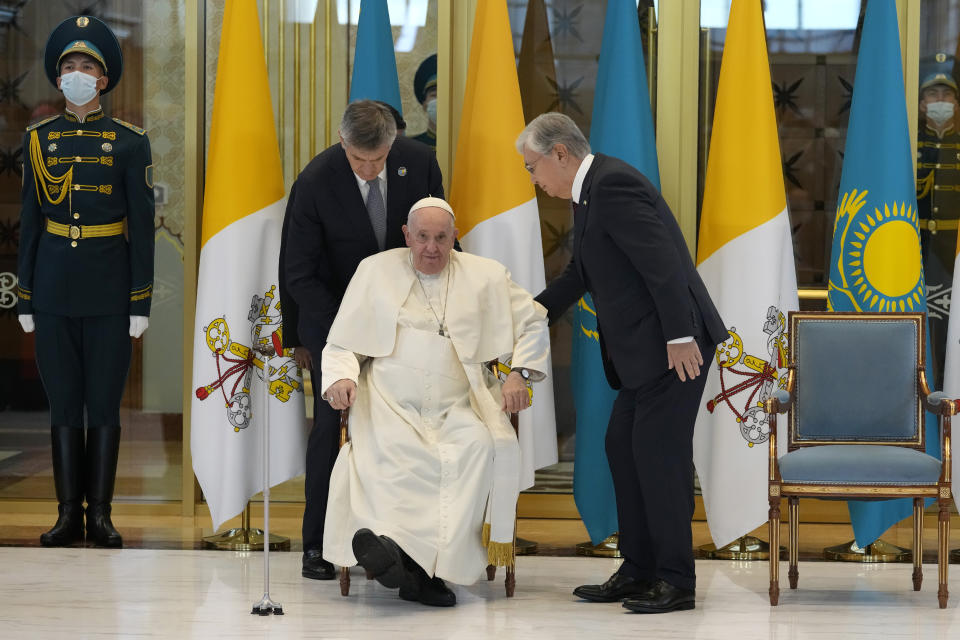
[77,231]
[935,224]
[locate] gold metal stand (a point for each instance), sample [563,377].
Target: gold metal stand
[744,548]
[243,538]
[879,551]
[524,547]
[609,547]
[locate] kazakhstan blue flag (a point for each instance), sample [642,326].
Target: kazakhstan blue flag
[875,263]
[374,63]
[622,127]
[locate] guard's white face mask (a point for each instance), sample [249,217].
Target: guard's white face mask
[432,110]
[78,87]
[940,112]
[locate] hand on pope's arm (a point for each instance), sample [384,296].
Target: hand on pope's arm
[516,398]
[341,394]
[302,357]
[26,321]
[685,357]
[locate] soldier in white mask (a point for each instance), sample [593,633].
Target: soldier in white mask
[938,193]
[425,88]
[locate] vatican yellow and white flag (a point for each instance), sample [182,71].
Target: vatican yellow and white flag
[495,202]
[951,369]
[237,343]
[745,257]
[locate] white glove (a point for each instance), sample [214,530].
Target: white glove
[138,324]
[26,321]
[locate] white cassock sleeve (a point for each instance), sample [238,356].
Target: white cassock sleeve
[532,343]
[336,363]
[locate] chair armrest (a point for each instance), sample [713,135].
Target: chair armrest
[779,402]
[938,403]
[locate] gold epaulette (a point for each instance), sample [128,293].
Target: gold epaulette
[42,122]
[137,130]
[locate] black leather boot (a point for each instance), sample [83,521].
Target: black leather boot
[103,445]
[68,481]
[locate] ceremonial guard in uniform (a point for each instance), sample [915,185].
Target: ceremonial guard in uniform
[425,88]
[85,270]
[938,195]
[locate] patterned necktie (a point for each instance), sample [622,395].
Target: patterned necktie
[377,211]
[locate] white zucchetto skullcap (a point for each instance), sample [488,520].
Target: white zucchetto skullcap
[440,203]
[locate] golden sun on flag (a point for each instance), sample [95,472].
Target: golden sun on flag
[870,279]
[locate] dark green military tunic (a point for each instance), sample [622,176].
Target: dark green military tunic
[111,183]
[85,262]
[938,206]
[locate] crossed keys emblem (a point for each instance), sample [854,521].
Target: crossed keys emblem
[237,362]
[746,381]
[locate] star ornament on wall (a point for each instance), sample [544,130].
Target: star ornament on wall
[785,97]
[789,168]
[565,96]
[10,89]
[10,234]
[555,238]
[10,161]
[847,96]
[565,22]
[10,14]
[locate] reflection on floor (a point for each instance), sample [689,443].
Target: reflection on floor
[149,467]
[94,593]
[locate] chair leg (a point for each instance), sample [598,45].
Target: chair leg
[510,582]
[943,553]
[491,572]
[793,541]
[917,543]
[344,581]
[774,550]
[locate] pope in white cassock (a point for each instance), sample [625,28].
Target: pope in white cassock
[426,489]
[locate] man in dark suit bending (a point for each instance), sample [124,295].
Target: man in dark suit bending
[348,203]
[656,321]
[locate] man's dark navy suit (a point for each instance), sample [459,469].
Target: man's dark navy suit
[326,233]
[630,255]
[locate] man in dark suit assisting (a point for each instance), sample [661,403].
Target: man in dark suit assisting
[655,320]
[348,203]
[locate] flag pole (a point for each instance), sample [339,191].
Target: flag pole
[266,606]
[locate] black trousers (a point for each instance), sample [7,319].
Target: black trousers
[650,449]
[322,448]
[83,363]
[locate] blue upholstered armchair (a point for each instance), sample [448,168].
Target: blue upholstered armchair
[855,398]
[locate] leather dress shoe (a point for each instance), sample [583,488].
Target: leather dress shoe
[432,592]
[315,567]
[616,588]
[380,557]
[661,598]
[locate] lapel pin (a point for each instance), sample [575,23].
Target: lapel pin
[402,171]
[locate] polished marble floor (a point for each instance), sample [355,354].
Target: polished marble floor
[144,593]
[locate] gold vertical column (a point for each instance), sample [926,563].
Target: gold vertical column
[296,98]
[193,150]
[282,90]
[266,33]
[312,70]
[327,62]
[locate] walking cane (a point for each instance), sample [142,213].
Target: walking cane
[266,606]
